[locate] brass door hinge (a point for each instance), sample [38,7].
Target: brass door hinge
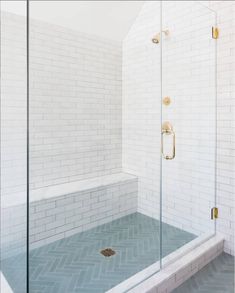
[215,32]
[214,213]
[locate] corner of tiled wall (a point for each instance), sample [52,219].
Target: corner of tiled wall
[226,121]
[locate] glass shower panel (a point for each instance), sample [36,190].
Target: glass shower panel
[13,214]
[188,122]
[94,182]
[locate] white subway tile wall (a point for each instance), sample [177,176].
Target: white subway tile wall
[13,132]
[226,121]
[188,183]
[75,105]
[189,78]
[94,112]
[55,218]
[141,91]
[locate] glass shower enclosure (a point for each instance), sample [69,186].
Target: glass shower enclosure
[108,141]
[188,118]
[14,183]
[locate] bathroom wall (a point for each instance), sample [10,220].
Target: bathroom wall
[13,105]
[75,114]
[188,183]
[226,121]
[75,105]
[189,78]
[13,139]
[89,205]
[64,77]
[141,107]
[75,128]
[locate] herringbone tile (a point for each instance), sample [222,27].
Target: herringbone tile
[216,277]
[74,264]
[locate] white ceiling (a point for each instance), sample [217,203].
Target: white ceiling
[108,19]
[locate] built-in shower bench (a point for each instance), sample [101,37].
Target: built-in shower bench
[63,210]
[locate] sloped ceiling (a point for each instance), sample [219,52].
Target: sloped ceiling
[107,19]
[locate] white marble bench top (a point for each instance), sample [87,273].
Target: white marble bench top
[66,188]
[76,186]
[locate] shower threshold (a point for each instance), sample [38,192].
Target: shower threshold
[75,264]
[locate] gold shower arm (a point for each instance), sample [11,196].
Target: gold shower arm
[157,37]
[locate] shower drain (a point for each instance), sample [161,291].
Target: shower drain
[107,252]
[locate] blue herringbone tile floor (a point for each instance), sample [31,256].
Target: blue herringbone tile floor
[74,264]
[216,277]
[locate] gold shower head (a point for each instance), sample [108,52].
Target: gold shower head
[156,38]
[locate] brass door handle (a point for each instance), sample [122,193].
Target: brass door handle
[167,129]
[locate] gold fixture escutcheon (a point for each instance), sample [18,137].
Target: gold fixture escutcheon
[215,32]
[166,101]
[167,127]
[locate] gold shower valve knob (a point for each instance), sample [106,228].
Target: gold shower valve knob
[166,101]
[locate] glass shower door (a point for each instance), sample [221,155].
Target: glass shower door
[13,138]
[188,123]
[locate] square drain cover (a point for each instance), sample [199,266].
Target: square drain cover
[107,252]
